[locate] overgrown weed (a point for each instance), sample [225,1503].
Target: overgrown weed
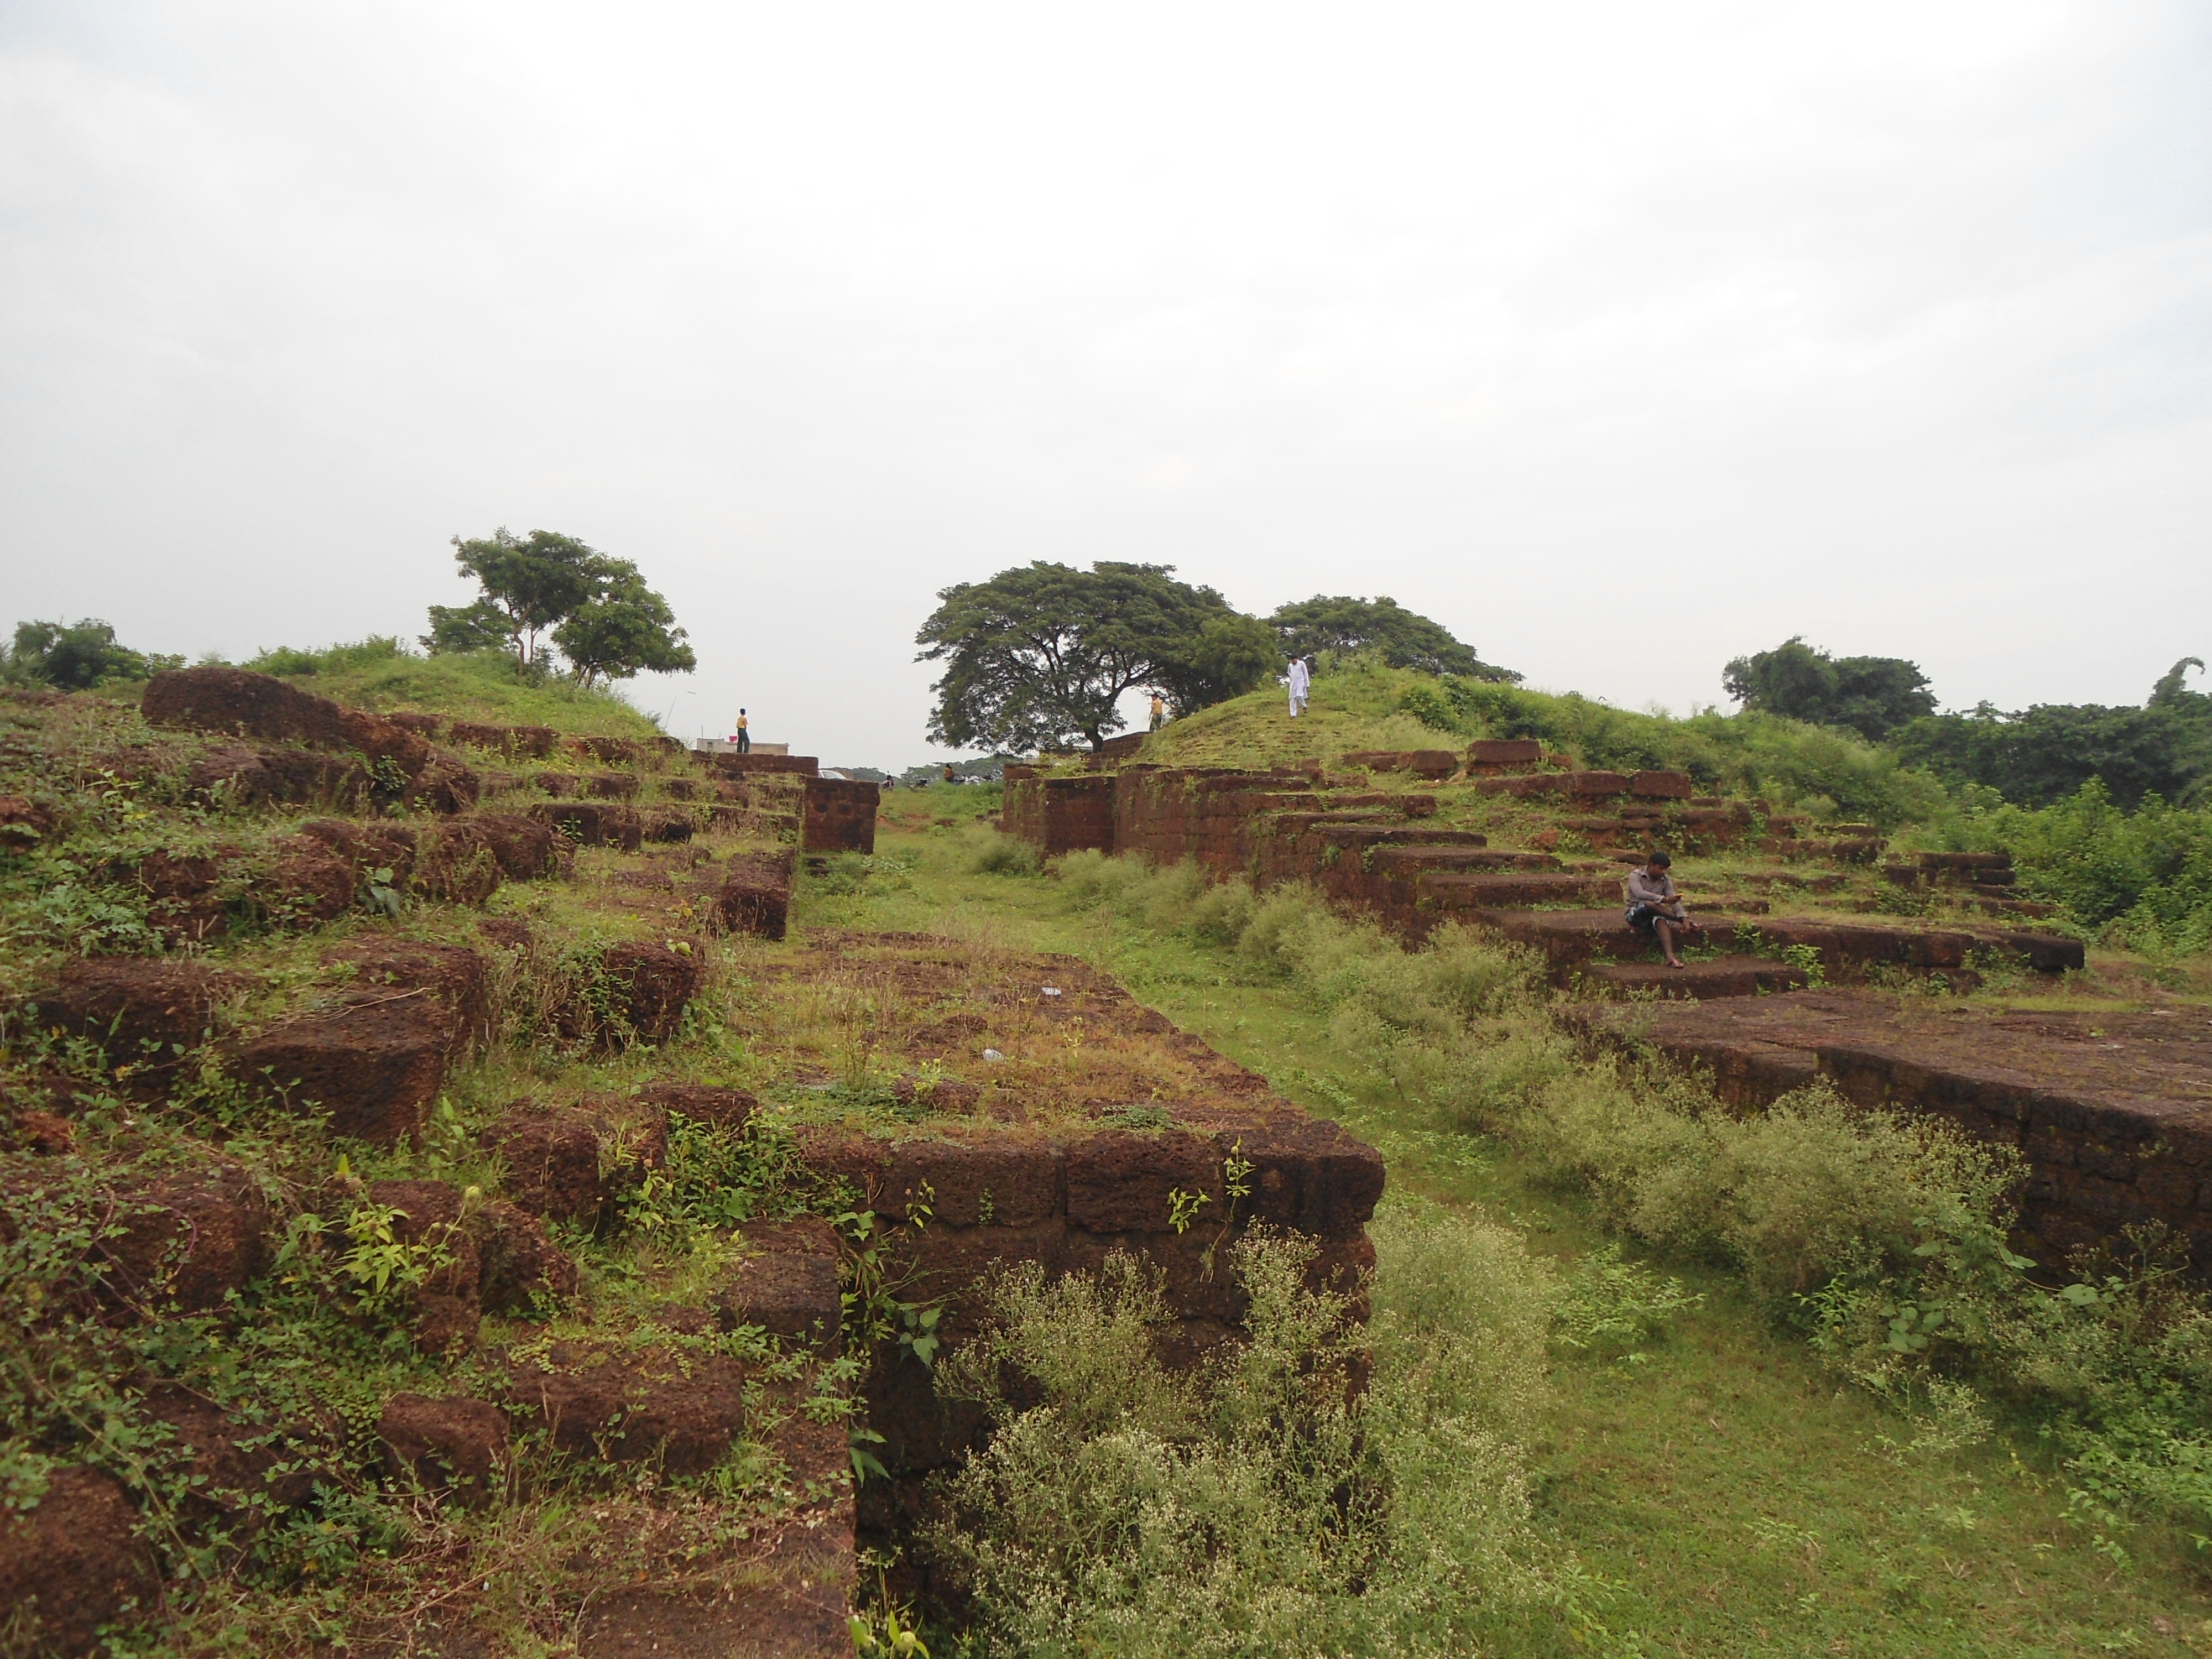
[1268,1504]
[1882,1239]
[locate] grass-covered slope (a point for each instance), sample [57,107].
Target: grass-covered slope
[382,674]
[1356,705]
[2140,880]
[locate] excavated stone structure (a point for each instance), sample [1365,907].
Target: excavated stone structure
[2114,1127]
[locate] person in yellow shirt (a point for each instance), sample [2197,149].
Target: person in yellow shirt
[1159,712]
[744,736]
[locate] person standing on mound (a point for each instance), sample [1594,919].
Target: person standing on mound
[1159,712]
[1301,683]
[1655,908]
[744,737]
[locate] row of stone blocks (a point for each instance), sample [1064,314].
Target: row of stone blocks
[535,742]
[193,1238]
[1270,826]
[376,1061]
[838,815]
[1571,941]
[1067,1203]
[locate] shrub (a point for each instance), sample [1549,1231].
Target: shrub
[2148,873]
[1431,706]
[1882,1237]
[1264,1506]
[377,648]
[995,855]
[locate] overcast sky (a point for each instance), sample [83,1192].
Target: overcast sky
[1620,338]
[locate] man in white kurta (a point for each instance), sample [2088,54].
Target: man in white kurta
[1301,681]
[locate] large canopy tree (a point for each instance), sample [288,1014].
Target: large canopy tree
[1871,695]
[597,609]
[623,629]
[531,583]
[1040,655]
[1406,639]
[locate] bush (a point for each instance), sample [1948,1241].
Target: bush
[994,854]
[377,648]
[2146,875]
[1882,1238]
[1264,1506]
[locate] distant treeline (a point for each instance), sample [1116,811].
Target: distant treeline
[2033,758]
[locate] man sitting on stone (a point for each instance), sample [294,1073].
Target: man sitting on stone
[1655,908]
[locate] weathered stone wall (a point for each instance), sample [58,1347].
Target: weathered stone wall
[839,816]
[1199,813]
[731,764]
[1060,815]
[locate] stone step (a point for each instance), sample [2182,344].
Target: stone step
[1593,784]
[1863,850]
[1719,976]
[1569,939]
[1446,891]
[2033,909]
[1848,950]
[1854,948]
[1408,862]
[1390,833]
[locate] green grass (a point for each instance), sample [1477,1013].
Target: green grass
[1741,1499]
[383,675]
[1361,705]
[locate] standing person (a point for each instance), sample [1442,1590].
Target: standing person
[744,734]
[1655,908]
[1301,683]
[1159,712]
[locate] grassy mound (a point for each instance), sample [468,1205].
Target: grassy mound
[382,674]
[1358,705]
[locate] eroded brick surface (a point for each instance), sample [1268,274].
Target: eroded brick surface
[839,816]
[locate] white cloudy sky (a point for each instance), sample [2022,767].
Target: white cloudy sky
[1621,338]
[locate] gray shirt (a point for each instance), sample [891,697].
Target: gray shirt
[1643,889]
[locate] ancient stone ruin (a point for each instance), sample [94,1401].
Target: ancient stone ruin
[2115,1123]
[525,982]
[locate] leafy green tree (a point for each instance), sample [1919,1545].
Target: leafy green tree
[1872,696]
[596,608]
[623,629]
[1040,655]
[531,583]
[1232,653]
[457,629]
[1405,638]
[76,656]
